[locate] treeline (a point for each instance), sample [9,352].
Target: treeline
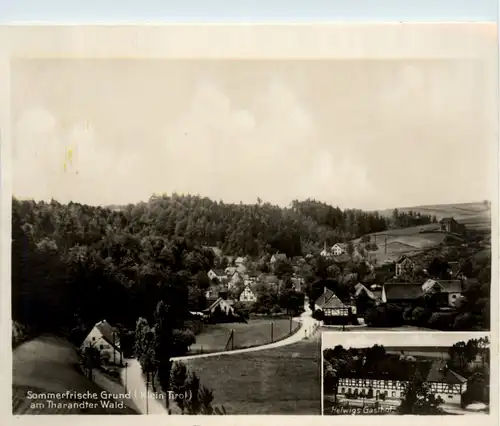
[406,219]
[251,229]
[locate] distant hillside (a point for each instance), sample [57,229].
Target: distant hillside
[475,214]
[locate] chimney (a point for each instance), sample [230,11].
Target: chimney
[324,289]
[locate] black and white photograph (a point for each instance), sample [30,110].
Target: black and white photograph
[450,376]
[185,230]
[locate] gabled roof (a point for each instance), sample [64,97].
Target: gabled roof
[389,368]
[402,291]
[217,302]
[219,272]
[360,288]
[447,220]
[334,303]
[340,245]
[451,286]
[401,258]
[440,373]
[109,333]
[427,285]
[321,300]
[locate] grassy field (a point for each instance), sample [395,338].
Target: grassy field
[284,380]
[50,364]
[256,332]
[411,241]
[475,215]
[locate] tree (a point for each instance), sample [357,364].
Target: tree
[178,383]
[418,398]
[350,248]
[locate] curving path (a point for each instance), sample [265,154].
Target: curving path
[135,379]
[308,326]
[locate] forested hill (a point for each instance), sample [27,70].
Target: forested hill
[238,229]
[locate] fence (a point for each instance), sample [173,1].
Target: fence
[242,339]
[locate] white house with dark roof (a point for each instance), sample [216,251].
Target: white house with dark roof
[449,292]
[224,305]
[105,338]
[217,274]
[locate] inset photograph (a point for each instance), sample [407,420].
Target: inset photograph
[427,375]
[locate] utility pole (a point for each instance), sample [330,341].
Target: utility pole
[126,365]
[272,331]
[290,324]
[386,245]
[147,393]
[114,347]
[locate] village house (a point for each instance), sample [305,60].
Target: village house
[338,249]
[403,265]
[224,305]
[104,337]
[388,381]
[449,224]
[403,294]
[446,292]
[217,274]
[326,252]
[335,311]
[234,279]
[362,290]
[248,295]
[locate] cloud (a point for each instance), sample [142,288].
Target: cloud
[217,147]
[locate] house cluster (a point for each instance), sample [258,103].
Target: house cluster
[387,380]
[444,294]
[239,283]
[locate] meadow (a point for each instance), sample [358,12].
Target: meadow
[284,380]
[256,332]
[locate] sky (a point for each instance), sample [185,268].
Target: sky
[368,134]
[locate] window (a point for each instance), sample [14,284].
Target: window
[343,390]
[450,396]
[393,394]
[101,347]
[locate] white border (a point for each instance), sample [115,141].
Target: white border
[231,41]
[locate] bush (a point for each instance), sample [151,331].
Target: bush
[182,340]
[276,309]
[318,315]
